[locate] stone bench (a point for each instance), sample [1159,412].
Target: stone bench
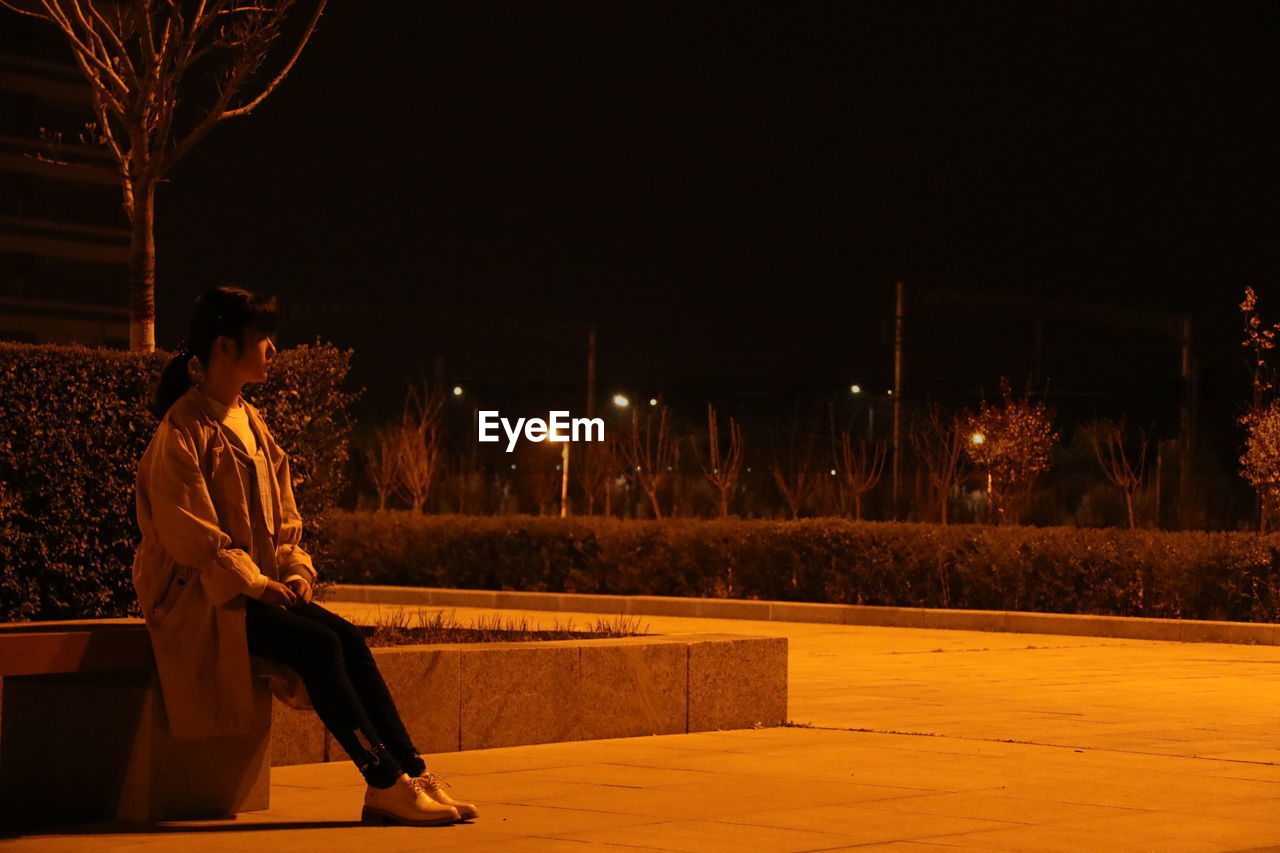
[83,734]
[80,703]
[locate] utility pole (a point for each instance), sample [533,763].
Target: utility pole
[591,371]
[591,408]
[1188,423]
[900,316]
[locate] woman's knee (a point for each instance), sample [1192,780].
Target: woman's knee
[326,651]
[351,636]
[354,645]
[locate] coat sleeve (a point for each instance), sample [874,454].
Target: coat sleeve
[186,522]
[291,558]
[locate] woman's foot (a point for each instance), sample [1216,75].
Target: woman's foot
[406,802]
[435,786]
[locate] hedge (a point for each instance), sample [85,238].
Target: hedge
[73,427]
[1192,575]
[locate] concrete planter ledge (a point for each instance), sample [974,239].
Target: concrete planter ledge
[1124,627]
[483,695]
[70,683]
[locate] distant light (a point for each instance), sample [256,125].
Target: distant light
[513,467]
[890,392]
[977,438]
[855,389]
[637,467]
[557,467]
[668,467]
[457,390]
[833,472]
[653,401]
[619,400]
[748,470]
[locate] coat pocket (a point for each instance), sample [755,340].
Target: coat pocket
[178,582]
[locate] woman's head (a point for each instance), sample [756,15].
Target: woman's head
[229,336]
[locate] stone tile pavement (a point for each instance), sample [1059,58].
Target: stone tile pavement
[907,740]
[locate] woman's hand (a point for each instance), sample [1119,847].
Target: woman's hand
[278,595]
[300,588]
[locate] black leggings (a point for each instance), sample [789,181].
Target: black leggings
[342,680]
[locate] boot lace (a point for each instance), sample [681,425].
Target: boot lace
[431,780]
[418,785]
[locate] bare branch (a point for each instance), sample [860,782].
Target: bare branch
[247,108]
[21,11]
[83,52]
[119,49]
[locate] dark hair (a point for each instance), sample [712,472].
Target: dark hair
[222,309]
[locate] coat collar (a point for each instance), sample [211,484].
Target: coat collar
[215,412]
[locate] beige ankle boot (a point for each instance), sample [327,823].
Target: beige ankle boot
[406,802]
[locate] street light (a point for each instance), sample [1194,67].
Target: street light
[978,439]
[620,401]
[457,390]
[855,389]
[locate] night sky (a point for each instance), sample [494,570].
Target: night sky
[730,192]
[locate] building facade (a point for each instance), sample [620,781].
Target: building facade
[64,235]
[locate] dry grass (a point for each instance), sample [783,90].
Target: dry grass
[441,627]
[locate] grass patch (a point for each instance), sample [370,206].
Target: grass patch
[441,627]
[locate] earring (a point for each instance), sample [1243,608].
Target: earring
[194,370]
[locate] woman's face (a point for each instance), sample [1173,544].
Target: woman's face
[254,361]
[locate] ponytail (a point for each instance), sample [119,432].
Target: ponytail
[174,381]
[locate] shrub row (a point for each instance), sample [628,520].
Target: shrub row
[1193,575]
[73,427]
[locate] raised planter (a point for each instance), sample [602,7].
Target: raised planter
[483,695]
[1025,622]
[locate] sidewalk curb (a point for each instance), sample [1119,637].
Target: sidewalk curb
[1121,627]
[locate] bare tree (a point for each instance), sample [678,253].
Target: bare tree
[722,470]
[649,451]
[797,476]
[383,459]
[860,468]
[939,440]
[463,484]
[594,466]
[144,58]
[1123,462]
[538,474]
[420,442]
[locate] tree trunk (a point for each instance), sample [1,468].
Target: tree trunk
[142,271]
[1128,501]
[653,500]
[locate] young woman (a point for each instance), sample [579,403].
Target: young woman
[221,574]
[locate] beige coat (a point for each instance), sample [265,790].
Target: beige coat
[216,524]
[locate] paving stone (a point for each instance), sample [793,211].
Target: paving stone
[1035,742]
